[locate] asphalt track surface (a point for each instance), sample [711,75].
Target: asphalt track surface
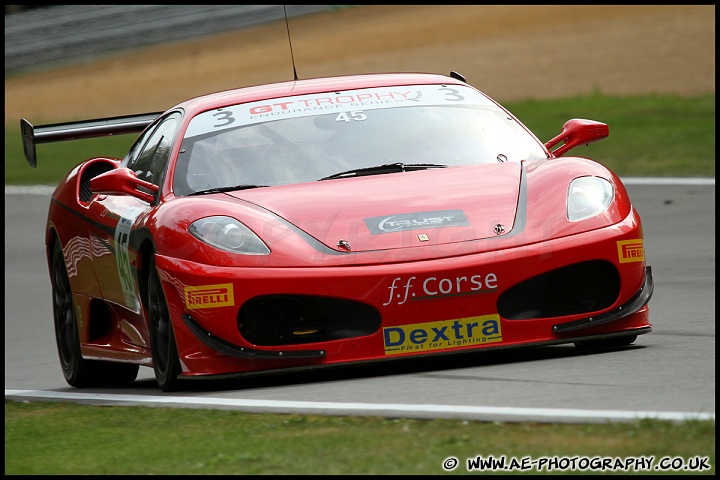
[76,32]
[667,374]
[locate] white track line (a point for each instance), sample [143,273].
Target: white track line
[505,414]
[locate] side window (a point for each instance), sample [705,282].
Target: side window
[150,154]
[131,157]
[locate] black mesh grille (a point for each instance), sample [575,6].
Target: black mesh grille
[576,289]
[297,319]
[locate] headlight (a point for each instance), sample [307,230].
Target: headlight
[587,197]
[228,234]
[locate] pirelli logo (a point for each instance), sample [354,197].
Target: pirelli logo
[631,251]
[209,296]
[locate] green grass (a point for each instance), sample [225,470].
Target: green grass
[54,160]
[653,135]
[48,438]
[649,136]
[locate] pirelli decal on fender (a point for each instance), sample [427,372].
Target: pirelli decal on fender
[445,334]
[631,251]
[209,296]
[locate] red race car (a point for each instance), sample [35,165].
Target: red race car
[334,220]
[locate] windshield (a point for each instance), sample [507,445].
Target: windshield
[324,136]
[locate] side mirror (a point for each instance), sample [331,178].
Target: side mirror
[123,181]
[577,132]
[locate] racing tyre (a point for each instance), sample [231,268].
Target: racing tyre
[79,372]
[162,339]
[607,343]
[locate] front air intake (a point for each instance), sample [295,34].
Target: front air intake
[581,288]
[273,320]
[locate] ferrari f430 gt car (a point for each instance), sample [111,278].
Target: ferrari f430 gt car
[330,221]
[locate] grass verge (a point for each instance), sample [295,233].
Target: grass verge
[49,438]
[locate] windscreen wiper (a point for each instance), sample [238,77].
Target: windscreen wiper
[242,186]
[381,169]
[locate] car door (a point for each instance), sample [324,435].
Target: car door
[115,216]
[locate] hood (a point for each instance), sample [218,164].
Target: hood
[399,210]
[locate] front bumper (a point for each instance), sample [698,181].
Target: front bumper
[425,307]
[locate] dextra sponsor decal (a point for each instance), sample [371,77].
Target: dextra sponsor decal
[209,296]
[631,250]
[412,221]
[426,337]
[439,287]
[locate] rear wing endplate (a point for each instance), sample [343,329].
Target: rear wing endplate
[101,127]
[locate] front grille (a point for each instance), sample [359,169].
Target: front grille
[576,289]
[273,320]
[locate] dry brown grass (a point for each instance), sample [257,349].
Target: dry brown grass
[510,52]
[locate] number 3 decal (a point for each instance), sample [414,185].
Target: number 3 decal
[225,117]
[452,95]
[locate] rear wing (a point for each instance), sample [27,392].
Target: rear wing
[101,127]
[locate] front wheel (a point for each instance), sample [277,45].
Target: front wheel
[79,372]
[162,339]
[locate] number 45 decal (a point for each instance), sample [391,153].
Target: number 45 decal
[128,280]
[350,116]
